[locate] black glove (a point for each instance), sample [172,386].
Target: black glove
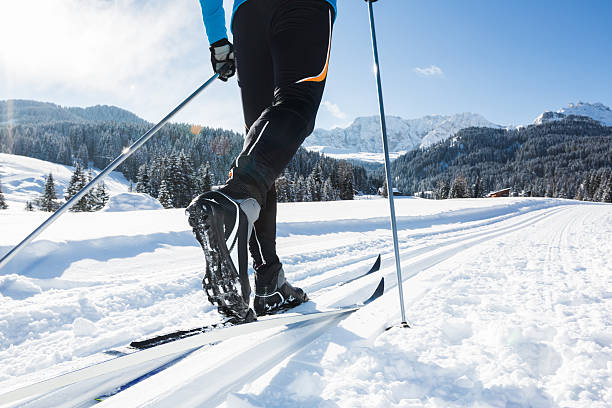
[222,59]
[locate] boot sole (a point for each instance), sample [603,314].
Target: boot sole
[220,276]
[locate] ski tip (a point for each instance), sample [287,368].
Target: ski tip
[375,267]
[378,292]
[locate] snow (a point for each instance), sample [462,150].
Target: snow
[508,300]
[23,179]
[596,111]
[361,140]
[131,202]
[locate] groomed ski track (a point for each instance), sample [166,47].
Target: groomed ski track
[317,255]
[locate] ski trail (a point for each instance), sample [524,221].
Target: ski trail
[240,365]
[226,376]
[486,336]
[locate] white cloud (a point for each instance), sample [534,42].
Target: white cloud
[145,56]
[334,117]
[429,71]
[334,110]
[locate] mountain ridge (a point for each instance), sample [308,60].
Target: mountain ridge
[596,111]
[25,111]
[363,135]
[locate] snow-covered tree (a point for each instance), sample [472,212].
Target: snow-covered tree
[442,189]
[315,183]
[205,178]
[100,197]
[459,188]
[48,199]
[142,181]
[77,182]
[185,183]
[83,155]
[311,193]
[282,186]
[165,198]
[476,189]
[3,204]
[345,180]
[328,193]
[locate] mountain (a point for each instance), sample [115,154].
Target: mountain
[596,111]
[363,135]
[20,111]
[552,159]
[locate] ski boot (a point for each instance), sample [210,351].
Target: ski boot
[272,291]
[223,227]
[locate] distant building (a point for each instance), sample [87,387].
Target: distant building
[425,194]
[396,192]
[501,193]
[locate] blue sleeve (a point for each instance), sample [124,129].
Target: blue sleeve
[214,19]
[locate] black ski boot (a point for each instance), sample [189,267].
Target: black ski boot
[272,291]
[223,227]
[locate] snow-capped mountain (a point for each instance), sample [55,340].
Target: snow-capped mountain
[363,135]
[597,111]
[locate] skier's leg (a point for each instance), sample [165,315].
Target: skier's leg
[263,240]
[223,223]
[256,80]
[299,39]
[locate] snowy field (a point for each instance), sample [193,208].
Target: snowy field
[23,179]
[509,300]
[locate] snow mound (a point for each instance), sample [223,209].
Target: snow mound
[131,202]
[84,327]
[18,287]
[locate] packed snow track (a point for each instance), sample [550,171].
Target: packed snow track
[509,302]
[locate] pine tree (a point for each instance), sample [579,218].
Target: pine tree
[165,198]
[48,198]
[328,193]
[142,180]
[476,188]
[172,177]
[281,185]
[345,180]
[101,197]
[442,189]
[316,183]
[77,182]
[606,195]
[3,204]
[308,188]
[459,188]
[92,204]
[299,189]
[207,178]
[384,189]
[83,155]
[185,180]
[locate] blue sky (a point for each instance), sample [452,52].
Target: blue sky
[508,61]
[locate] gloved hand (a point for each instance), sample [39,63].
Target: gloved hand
[222,58]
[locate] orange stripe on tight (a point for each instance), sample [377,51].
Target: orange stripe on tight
[321,77]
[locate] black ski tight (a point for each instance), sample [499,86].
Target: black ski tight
[282,53]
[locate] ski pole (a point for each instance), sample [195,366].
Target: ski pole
[112,166]
[383,129]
